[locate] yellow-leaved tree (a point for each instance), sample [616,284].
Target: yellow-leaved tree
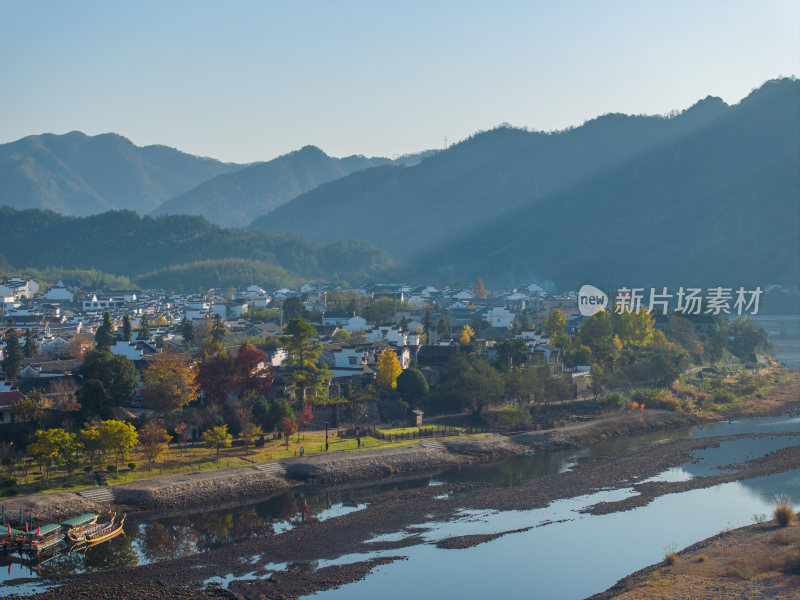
[389,369]
[169,383]
[466,335]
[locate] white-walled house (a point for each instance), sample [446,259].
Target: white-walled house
[59,293]
[393,335]
[499,317]
[346,321]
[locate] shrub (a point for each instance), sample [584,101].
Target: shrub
[781,538]
[8,482]
[670,555]
[131,465]
[111,468]
[615,400]
[88,468]
[702,558]
[260,442]
[783,513]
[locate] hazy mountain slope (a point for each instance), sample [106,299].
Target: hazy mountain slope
[80,175]
[718,206]
[234,199]
[406,210]
[178,251]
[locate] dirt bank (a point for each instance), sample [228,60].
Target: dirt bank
[753,563]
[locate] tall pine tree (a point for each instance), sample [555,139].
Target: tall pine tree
[12,360]
[31,348]
[126,328]
[144,329]
[104,336]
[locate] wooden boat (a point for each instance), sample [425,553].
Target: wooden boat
[76,526]
[106,533]
[11,538]
[45,537]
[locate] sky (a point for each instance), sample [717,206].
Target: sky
[249,80]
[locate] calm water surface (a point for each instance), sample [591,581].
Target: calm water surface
[537,563]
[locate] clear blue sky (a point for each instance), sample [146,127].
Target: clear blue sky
[245,80]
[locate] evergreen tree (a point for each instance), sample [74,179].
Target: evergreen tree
[31,348]
[427,326]
[144,329]
[188,332]
[308,372]
[218,330]
[104,336]
[126,328]
[12,360]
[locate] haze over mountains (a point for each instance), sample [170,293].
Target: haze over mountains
[76,174]
[234,199]
[708,196]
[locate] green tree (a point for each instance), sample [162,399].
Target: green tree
[144,329]
[218,330]
[117,373]
[217,437]
[512,352]
[293,308]
[306,370]
[31,348]
[92,443]
[427,326]
[104,336]
[412,385]
[127,332]
[45,448]
[119,437]
[555,327]
[747,339]
[95,400]
[12,358]
[188,333]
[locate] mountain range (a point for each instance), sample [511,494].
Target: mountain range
[77,174]
[706,196]
[235,199]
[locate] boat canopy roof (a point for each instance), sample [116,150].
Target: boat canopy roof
[45,529]
[79,520]
[10,530]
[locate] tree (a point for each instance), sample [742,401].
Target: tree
[480,290]
[216,376]
[217,437]
[389,368]
[303,359]
[77,346]
[117,373]
[63,392]
[441,328]
[127,332]
[253,370]
[31,348]
[29,408]
[466,335]
[47,447]
[288,427]
[93,445]
[118,437]
[293,308]
[104,336]
[154,440]
[169,383]
[427,326]
[218,330]
[188,333]
[412,385]
[747,339]
[144,329]
[95,400]
[555,326]
[512,352]
[482,386]
[279,410]
[12,358]
[248,430]
[304,417]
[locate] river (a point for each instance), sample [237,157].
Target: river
[567,554]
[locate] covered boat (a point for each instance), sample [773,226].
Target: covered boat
[46,536]
[106,533]
[77,527]
[11,538]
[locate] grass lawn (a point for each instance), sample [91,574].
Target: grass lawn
[403,430]
[195,459]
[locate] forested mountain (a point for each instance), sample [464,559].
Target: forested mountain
[179,252]
[81,175]
[235,199]
[706,196]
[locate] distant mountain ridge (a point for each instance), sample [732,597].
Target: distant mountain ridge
[235,199]
[709,194]
[77,174]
